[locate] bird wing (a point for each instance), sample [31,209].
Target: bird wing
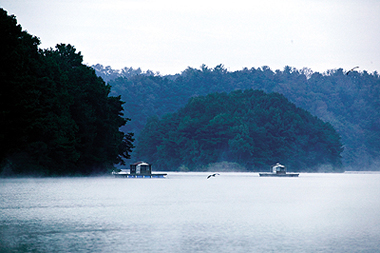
[352,69]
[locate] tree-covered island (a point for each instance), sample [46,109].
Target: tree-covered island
[251,128]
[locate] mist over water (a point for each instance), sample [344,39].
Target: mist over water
[233,212]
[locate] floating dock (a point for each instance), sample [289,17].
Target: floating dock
[128,175]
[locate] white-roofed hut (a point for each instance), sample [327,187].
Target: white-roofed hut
[139,170]
[278,170]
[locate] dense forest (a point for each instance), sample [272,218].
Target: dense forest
[250,128]
[350,102]
[57,117]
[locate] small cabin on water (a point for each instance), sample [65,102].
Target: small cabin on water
[278,170]
[138,170]
[141,168]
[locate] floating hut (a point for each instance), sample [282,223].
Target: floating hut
[138,170]
[278,170]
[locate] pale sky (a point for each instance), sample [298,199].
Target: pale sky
[170,35]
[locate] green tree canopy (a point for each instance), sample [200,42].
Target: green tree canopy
[251,128]
[57,117]
[349,102]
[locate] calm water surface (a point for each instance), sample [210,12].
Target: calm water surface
[234,212]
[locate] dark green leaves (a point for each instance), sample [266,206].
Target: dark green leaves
[250,128]
[57,117]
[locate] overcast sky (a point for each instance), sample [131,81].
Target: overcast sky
[170,35]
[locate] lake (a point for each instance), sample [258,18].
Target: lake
[185,212]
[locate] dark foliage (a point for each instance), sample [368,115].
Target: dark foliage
[57,117]
[351,103]
[250,128]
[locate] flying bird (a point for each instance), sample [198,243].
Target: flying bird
[212,175]
[352,69]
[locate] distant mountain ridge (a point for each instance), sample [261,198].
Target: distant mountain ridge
[351,103]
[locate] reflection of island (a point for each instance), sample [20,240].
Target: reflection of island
[138,170]
[278,170]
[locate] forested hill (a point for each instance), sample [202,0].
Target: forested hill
[250,128]
[351,103]
[56,116]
